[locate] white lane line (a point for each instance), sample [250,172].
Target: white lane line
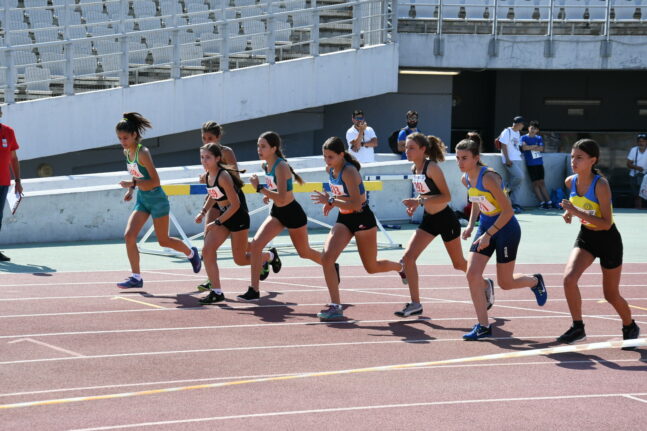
[360,408]
[145,294]
[262,376]
[50,346]
[91,283]
[199,276]
[278,347]
[631,397]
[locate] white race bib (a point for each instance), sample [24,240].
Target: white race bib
[535,154]
[419,184]
[589,212]
[336,189]
[215,192]
[133,170]
[484,205]
[269,181]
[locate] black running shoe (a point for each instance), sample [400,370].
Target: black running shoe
[630,332]
[337,271]
[265,271]
[572,335]
[4,258]
[276,262]
[212,298]
[250,295]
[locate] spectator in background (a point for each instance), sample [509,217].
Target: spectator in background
[510,140]
[361,139]
[8,164]
[532,146]
[637,164]
[412,127]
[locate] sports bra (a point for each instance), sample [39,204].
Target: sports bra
[270,177]
[422,183]
[136,169]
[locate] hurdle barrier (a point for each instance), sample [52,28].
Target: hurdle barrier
[200,189]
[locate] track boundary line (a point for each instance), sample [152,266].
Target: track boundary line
[506,355]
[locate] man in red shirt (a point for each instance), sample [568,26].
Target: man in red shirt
[8,163]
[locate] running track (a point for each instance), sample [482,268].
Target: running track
[78,353]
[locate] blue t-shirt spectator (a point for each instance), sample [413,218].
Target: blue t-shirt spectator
[533,158]
[402,136]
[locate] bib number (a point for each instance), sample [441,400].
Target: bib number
[484,205]
[419,184]
[133,170]
[535,154]
[269,181]
[215,192]
[589,212]
[336,189]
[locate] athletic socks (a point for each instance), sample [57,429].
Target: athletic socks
[578,324]
[217,291]
[271,256]
[190,256]
[137,277]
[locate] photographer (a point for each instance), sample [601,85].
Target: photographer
[637,164]
[361,139]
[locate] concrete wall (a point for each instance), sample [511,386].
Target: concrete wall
[91,207]
[469,51]
[73,123]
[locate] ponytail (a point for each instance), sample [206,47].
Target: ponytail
[336,145]
[274,140]
[436,149]
[133,122]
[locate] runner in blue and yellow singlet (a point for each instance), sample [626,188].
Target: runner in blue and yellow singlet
[151,200]
[498,231]
[590,201]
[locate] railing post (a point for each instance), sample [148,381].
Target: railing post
[605,48]
[394,21]
[355,38]
[548,47]
[271,36]
[68,84]
[123,40]
[224,36]
[314,42]
[9,95]
[493,49]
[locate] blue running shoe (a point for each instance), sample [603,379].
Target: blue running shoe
[540,290]
[196,263]
[131,283]
[333,312]
[478,332]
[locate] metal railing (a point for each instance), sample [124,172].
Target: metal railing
[65,47]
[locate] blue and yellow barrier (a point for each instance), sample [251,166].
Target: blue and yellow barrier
[201,189]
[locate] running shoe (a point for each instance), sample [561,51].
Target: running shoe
[337,271]
[630,332]
[410,309]
[572,335]
[250,295]
[265,271]
[276,262]
[4,257]
[196,262]
[212,298]
[540,290]
[403,275]
[204,286]
[489,293]
[131,283]
[478,332]
[333,312]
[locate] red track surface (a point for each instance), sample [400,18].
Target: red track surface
[66,335]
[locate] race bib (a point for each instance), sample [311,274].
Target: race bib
[419,184]
[215,192]
[535,154]
[269,181]
[133,170]
[336,189]
[484,205]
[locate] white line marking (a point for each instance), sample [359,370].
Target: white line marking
[90,282]
[213,379]
[292,346]
[199,276]
[631,397]
[59,349]
[359,408]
